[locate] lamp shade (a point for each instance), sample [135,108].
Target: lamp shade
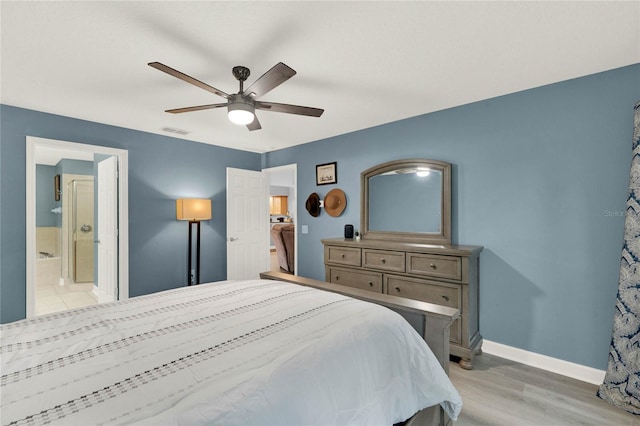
[193,209]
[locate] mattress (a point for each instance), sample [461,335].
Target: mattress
[255,352]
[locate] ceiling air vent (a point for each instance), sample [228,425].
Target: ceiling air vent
[176,131]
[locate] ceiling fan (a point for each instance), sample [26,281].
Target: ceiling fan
[241,106]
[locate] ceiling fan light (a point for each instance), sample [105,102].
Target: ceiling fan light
[240,113]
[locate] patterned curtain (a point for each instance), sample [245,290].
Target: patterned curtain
[621,385]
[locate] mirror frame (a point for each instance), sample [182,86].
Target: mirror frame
[443,237]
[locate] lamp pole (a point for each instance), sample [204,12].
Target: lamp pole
[195,277]
[193,210]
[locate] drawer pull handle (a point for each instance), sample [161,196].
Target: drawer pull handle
[342,255]
[397,289]
[433,266]
[445,297]
[337,277]
[370,284]
[382,259]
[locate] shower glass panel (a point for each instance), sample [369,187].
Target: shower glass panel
[81,229]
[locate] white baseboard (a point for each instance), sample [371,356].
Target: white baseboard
[554,365]
[100,296]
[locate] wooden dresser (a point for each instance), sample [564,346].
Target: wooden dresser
[446,275]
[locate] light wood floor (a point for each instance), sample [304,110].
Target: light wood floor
[502,392]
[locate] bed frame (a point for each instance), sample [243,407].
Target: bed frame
[431,321]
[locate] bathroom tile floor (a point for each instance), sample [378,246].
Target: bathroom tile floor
[55,298]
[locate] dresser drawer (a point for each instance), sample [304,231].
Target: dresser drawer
[384,260]
[342,255]
[356,278]
[427,291]
[434,265]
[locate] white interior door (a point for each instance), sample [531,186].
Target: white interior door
[247,223]
[107,230]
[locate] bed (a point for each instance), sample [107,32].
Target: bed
[255,352]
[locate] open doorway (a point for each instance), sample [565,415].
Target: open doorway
[65,256]
[283,215]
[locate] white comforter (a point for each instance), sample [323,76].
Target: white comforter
[254,352]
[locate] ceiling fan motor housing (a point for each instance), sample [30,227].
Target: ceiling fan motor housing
[240,110]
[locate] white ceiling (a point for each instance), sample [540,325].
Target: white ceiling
[365,63]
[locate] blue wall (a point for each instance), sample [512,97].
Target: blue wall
[45,197]
[161,169]
[540,180]
[75,167]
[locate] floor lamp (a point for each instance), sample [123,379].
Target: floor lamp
[194,210]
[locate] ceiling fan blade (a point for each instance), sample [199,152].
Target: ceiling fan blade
[255,124]
[289,109]
[195,108]
[270,80]
[188,79]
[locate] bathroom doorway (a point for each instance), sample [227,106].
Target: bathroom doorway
[63,263]
[283,193]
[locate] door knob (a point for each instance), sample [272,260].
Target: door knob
[233,239]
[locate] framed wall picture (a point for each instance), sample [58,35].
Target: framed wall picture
[327,173]
[56,187]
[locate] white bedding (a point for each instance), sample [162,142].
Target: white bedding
[255,352]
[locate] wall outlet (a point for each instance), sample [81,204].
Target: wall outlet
[304,229]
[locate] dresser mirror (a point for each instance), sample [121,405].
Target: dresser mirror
[407,200]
